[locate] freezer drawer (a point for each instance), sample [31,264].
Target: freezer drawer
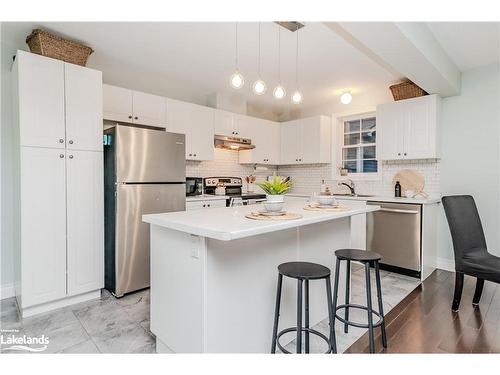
[132,234]
[394,232]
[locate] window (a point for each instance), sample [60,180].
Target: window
[358,148]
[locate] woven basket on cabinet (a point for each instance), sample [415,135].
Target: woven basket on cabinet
[406,90]
[47,44]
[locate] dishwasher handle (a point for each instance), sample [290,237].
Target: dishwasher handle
[398,211]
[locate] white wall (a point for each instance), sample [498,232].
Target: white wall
[470,153]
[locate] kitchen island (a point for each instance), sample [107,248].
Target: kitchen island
[214,274]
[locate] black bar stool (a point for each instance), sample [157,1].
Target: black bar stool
[368,258]
[303,272]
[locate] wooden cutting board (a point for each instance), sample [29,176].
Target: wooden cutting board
[287,216]
[410,179]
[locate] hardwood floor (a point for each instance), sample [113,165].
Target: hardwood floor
[424,323]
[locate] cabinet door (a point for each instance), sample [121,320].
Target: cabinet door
[420,132]
[201,130]
[224,123]
[83,89]
[310,140]
[43,225]
[391,126]
[244,126]
[148,109]
[290,142]
[85,221]
[41,101]
[178,121]
[117,103]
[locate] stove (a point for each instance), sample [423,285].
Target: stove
[234,189]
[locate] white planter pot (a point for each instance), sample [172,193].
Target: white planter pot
[275,198]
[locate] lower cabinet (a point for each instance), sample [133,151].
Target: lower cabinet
[61,235]
[358,224]
[198,205]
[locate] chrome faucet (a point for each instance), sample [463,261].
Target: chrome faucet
[351,186]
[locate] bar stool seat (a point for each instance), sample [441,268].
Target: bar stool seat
[303,272]
[357,255]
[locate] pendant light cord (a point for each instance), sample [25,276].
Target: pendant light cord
[279,53]
[297,59]
[259,49]
[236,46]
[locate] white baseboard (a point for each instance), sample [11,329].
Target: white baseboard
[445,264]
[7,291]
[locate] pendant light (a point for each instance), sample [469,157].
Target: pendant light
[259,86]
[237,81]
[279,91]
[346,97]
[297,95]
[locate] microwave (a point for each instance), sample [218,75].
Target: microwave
[194,186]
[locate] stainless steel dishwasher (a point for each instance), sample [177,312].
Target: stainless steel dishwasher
[395,232]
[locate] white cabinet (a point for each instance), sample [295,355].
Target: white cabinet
[197,123]
[124,105]
[40,97]
[358,224]
[60,242]
[266,136]
[83,98]
[306,141]
[233,124]
[43,225]
[409,129]
[198,205]
[85,221]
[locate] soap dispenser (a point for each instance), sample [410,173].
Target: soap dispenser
[397,190]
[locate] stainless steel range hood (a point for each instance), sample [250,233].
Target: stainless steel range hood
[232,143]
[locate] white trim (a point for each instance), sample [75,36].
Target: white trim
[445,264]
[7,291]
[49,306]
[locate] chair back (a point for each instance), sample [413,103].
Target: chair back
[465,225]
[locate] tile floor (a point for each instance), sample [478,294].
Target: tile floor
[111,325]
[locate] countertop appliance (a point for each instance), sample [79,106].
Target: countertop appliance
[194,186]
[395,232]
[144,173]
[234,189]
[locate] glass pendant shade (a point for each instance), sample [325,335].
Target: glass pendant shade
[279,92]
[346,98]
[259,87]
[237,80]
[297,97]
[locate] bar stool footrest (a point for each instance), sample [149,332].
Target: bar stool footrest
[303,329]
[354,324]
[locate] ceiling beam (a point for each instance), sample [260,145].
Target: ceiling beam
[407,49]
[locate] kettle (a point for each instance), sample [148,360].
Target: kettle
[220,189]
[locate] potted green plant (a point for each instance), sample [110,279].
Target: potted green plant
[276,188]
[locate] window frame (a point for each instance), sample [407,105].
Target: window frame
[340,147]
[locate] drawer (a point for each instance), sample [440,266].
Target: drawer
[198,205]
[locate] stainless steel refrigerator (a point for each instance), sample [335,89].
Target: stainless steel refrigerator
[144,173]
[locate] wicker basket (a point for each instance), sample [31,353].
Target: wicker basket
[406,90]
[46,44]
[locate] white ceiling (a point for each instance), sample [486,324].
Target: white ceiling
[469,44]
[192,60]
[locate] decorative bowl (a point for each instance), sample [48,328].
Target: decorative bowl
[325,199]
[273,206]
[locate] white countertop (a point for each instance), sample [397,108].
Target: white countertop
[229,223]
[207,197]
[378,198]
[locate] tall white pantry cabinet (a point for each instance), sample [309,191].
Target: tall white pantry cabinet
[60,208]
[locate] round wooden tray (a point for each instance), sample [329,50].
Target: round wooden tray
[287,216]
[339,208]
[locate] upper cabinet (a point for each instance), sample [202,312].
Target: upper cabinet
[265,135]
[197,123]
[136,107]
[60,104]
[306,141]
[409,129]
[233,124]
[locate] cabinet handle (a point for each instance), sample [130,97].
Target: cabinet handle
[208,205]
[405,154]
[130,117]
[194,154]
[71,156]
[61,140]
[136,118]
[300,159]
[190,154]
[61,156]
[203,205]
[399,153]
[70,142]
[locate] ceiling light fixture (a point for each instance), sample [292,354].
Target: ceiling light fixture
[346,97]
[237,81]
[259,86]
[297,95]
[279,91]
